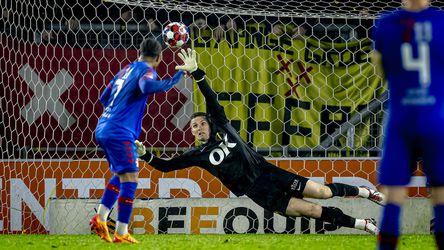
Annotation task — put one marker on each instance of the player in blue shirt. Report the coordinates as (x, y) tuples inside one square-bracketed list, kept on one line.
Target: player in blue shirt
[(124, 101), (408, 44)]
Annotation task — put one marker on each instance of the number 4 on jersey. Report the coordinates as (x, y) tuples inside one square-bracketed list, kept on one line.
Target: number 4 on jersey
[(423, 35)]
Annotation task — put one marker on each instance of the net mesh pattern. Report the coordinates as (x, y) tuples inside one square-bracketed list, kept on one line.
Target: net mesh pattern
[(294, 77)]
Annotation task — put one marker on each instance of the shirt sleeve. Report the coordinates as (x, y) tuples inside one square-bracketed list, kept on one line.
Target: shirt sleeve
[(149, 85), (215, 110)]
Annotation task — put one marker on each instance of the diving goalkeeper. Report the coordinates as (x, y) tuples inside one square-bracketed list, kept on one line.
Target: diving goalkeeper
[(246, 172)]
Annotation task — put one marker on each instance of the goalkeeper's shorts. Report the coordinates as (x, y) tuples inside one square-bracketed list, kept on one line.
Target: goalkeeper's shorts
[(274, 188), (121, 155)]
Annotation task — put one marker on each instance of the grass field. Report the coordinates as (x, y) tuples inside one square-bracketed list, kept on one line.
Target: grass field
[(231, 242)]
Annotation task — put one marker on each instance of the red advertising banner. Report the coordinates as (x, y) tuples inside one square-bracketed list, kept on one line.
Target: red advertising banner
[(27, 186), (50, 95)]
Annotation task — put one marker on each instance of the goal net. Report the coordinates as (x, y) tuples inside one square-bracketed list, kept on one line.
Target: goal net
[(294, 77)]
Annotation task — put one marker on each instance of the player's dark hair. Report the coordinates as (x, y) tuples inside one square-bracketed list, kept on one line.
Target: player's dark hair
[(150, 47), (197, 114)]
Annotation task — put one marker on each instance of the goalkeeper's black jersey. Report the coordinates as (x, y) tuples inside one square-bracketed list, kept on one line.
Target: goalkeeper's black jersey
[(231, 160)]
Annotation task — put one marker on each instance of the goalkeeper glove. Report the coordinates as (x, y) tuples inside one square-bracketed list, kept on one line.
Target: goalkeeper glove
[(140, 148), (189, 60), (142, 153)]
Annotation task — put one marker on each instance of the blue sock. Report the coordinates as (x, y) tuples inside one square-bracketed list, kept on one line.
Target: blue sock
[(439, 225), (111, 193), (125, 201), (389, 232)]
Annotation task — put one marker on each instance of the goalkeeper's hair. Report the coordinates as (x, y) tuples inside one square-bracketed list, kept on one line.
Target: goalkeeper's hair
[(198, 114), (150, 47)]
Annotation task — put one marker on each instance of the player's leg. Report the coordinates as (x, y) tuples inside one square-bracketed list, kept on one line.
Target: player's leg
[(127, 194), (394, 174), (109, 197), (280, 191), (98, 223), (300, 207), (122, 158), (319, 191), (128, 170), (437, 195), (390, 222), (433, 166)]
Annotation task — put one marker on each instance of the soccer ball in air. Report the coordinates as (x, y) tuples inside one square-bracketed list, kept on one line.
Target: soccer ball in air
[(175, 34)]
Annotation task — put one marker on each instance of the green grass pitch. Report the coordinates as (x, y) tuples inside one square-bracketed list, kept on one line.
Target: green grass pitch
[(231, 242)]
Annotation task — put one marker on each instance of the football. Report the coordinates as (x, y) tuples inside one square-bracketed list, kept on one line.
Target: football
[(175, 34)]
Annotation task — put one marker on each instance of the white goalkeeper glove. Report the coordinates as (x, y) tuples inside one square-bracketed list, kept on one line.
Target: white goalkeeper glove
[(189, 60), (140, 148)]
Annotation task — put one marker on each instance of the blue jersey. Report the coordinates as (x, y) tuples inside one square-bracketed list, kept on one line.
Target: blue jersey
[(124, 100), (413, 62)]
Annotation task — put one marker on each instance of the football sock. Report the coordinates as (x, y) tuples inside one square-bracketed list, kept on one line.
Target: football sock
[(360, 224), (389, 233), (363, 192), (121, 228), (125, 201), (439, 226), (340, 189), (109, 197), (336, 216)]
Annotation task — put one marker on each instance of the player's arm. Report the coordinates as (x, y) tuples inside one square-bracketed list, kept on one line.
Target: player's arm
[(378, 46), (376, 58), (213, 107), (149, 86), (104, 97), (173, 164)]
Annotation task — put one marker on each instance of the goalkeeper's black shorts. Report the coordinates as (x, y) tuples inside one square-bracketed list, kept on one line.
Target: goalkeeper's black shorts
[(274, 188)]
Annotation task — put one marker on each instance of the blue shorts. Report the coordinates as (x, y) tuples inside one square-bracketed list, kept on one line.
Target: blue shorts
[(402, 149), (121, 155)]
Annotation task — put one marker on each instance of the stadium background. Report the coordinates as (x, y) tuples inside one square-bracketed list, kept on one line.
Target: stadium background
[(297, 85)]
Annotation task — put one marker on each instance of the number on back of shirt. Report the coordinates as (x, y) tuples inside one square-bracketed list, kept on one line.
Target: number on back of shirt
[(423, 36), (118, 84)]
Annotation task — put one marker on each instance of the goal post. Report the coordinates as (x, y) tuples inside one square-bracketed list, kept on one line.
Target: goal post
[(294, 78)]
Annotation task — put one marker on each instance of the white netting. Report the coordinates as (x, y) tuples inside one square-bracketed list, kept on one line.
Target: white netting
[(294, 77), (314, 8)]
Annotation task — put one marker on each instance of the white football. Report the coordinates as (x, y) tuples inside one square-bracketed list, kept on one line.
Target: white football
[(176, 34)]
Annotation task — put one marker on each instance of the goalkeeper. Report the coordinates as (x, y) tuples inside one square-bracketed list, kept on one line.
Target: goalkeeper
[(246, 172)]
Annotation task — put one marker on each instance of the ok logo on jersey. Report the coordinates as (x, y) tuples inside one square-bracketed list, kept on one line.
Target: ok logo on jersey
[(222, 151)]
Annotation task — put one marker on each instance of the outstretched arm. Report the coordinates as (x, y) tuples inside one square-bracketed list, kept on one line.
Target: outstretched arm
[(149, 86), (173, 164), (213, 107)]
